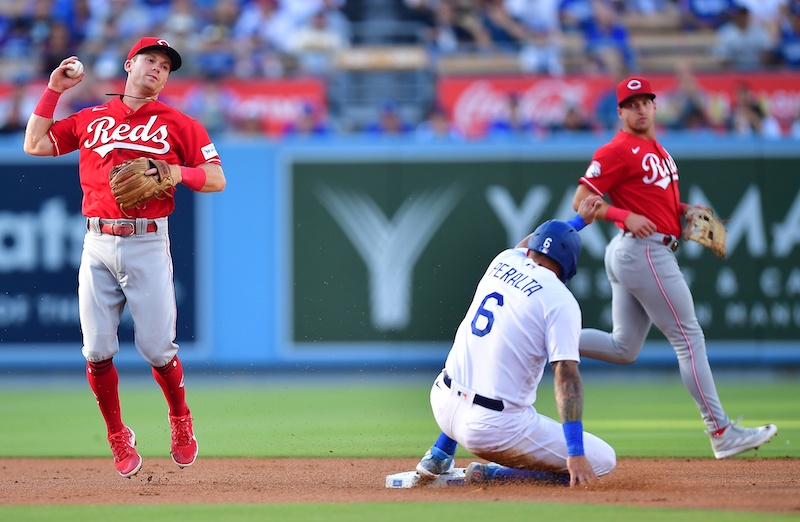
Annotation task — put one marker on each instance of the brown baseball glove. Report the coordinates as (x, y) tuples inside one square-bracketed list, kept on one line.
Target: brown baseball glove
[(705, 228), (136, 181)]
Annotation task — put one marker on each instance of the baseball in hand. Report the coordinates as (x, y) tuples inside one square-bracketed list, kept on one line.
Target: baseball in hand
[(75, 69)]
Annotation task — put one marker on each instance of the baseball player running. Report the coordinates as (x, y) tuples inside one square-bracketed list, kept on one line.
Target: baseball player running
[(641, 180), (126, 255), (521, 316)]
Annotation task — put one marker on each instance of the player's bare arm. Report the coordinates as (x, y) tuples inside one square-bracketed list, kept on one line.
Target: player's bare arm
[(640, 225), (214, 176), (36, 142), (582, 192), (568, 390), (569, 401)]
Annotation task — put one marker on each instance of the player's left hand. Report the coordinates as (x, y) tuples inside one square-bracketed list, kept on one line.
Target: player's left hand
[(135, 181), (589, 207), (705, 228), (580, 471)]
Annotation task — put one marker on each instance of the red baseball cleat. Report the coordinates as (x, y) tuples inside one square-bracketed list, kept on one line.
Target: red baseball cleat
[(184, 445), (126, 459)]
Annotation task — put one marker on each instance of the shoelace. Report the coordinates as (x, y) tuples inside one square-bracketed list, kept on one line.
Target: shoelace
[(182, 431), (120, 446)]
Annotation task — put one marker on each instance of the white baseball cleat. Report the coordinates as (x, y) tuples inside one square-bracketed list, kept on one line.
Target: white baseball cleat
[(734, 439)]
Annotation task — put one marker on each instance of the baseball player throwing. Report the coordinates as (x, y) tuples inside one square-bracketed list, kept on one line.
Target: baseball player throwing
[(521, 317), (641, 180), (126, 255)]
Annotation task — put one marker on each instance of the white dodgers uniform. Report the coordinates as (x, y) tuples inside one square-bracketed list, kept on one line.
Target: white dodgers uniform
[(521, 316)]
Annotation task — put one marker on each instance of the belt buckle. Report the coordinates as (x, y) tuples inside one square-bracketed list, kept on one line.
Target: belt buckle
[(123, 229), (466, 396), (671, 242)]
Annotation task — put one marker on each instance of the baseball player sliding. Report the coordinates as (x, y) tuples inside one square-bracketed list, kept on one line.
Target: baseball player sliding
[(641, 180), (521, 317), (126, 257)]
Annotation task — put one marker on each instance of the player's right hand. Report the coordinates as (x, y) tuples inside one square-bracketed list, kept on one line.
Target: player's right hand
[(589, 206), (59, 81), (639, 225), (580, 471)]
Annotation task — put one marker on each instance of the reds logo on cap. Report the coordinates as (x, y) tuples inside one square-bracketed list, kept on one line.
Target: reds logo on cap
[(633, 87), (150, 43)]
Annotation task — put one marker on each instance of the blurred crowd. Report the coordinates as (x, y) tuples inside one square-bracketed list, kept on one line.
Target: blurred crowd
[(247, 39), (278, 38), (225, 38), (749, 33)]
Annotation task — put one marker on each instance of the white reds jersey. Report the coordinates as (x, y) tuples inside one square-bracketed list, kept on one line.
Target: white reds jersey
[(521, 316)]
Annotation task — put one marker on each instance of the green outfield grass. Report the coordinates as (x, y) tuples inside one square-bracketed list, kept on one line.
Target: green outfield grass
[(644, 419), (378, 512), (647, 418)]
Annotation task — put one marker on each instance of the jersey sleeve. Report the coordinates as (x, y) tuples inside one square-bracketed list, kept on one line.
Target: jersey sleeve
[(563, 330), (198, 146), (604, 170), (64, 136)]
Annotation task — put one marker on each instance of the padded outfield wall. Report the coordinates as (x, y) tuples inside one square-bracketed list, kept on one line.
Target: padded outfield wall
[(364, 254)]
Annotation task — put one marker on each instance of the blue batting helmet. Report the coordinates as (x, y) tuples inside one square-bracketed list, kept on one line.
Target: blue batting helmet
[(560, 242)]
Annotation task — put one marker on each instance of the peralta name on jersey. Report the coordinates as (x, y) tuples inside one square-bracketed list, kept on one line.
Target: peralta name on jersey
[(514, 278)]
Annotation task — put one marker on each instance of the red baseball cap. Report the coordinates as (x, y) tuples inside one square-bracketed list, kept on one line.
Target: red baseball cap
[(149, 43), (633, 87)]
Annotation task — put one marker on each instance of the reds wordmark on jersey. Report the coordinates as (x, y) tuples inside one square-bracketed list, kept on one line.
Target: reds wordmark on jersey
[(109, 134)]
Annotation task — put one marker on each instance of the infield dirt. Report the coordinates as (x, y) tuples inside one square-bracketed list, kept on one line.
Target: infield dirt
[(739, 484)]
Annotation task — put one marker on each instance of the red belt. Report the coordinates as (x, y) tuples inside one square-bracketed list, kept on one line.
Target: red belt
[(124, 228)]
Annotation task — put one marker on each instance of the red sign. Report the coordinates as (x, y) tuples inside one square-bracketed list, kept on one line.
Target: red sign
[(274, 104), (262, 106), (473, 103)]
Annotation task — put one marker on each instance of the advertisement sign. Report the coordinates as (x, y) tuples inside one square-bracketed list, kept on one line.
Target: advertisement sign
[(41, 239), (257, 106), (472, 102), (392, 250)]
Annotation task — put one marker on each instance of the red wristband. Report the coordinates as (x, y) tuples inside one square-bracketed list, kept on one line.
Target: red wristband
[(617, 214), (193, 177), (46, 107)]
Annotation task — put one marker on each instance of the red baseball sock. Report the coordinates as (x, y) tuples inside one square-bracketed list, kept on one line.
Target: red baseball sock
[(170, 378), (104, 382)]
